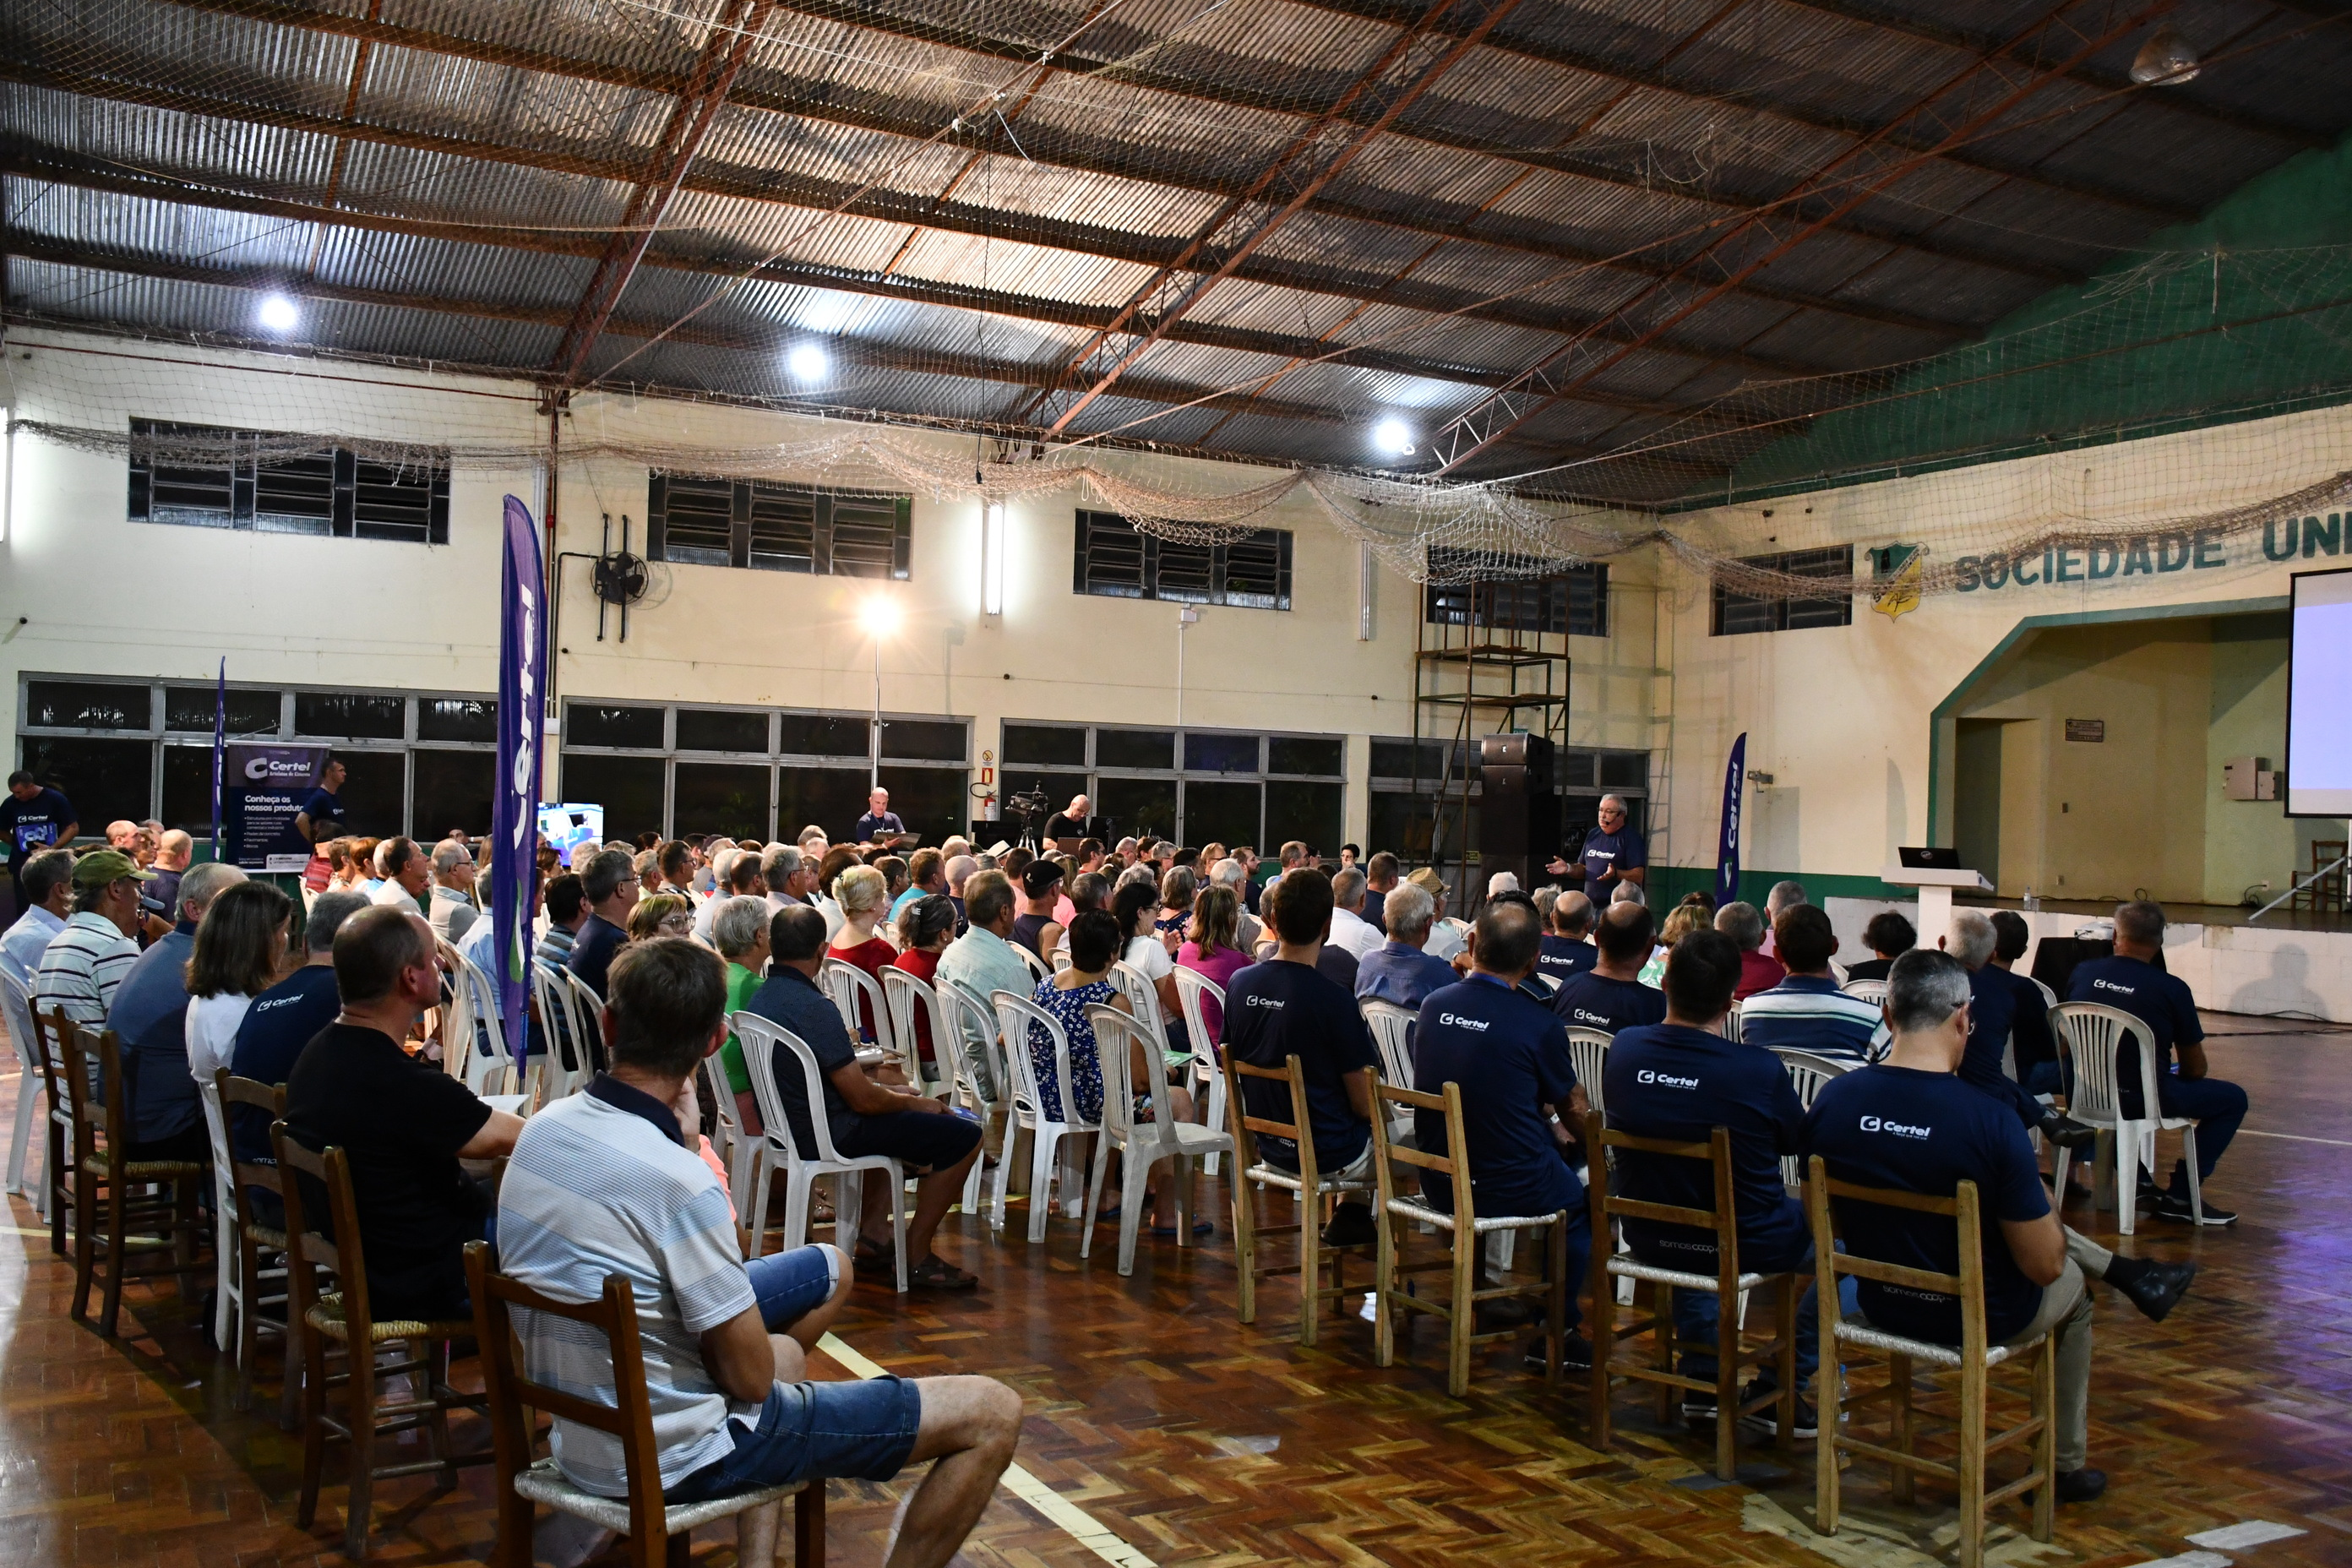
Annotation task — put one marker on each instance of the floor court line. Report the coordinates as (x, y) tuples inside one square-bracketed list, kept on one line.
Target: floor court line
[(1073, 1520)]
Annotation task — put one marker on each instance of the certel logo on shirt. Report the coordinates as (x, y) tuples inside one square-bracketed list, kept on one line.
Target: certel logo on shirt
[(1262, 1001), (2111, 985), (1477, 1023), (1899, 1129), (1665, 1080), (1598, 1020)]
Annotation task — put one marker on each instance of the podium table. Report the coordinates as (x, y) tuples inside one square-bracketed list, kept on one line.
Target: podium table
[(1936, 890)]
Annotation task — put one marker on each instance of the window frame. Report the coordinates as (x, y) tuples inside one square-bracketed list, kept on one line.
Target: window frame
[(348, 479), (1152, 557), (1556, 593), (1826, 560), (1095, 771), (743, 496)]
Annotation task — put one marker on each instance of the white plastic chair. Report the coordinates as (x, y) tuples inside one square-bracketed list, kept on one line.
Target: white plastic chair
[(2049, 997), (848, 985), (1038, 967), (561, 996), (1729, 1027), (1208, 1076), (957, 1018), (1144, 997), (16, 1013), (1142, 1145), (489, 1064), (2092, 1036), (760, 1037), (1588, 1054), (745, 1156), (1047, 1125), (1807, 1073), (1872, 991), (1391, 1025), (228, 1290), (912, 998)]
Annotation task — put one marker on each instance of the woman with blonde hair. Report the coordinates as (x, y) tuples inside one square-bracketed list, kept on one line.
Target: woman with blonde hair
[(1690, 915), (863, 895), (662, 914)]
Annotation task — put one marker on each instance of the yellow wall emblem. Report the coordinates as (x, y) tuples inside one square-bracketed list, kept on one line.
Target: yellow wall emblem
[(1898, 593)]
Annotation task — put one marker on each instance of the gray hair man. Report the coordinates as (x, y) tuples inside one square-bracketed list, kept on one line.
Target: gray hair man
[(1990, 1011), (453, 911), (1349, 930), (790, 876)]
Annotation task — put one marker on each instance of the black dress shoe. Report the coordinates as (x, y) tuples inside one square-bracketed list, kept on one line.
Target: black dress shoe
[(1351, 1226), (2154, 1288), (1575, 1355), (2068, 1133), (2081, 1486), (2176, 1206)]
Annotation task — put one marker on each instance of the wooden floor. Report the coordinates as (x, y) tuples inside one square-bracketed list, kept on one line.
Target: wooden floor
[(1197, 1441)]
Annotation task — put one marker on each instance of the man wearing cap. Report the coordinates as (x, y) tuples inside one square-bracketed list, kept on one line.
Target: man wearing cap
[(33, 817), (84, 964), (1444, 938)]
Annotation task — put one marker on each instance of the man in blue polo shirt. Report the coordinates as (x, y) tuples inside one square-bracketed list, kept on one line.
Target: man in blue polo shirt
[(320, 817), (1806, 1011), (610, 886), (1610, 996), (1510, 1054), (1614, 854), (1680, 1080), (33, 817), (2131, 981), (1284, 1007), (1564, 951), (1912, 1125), (1398, 970), (1992, 1009)]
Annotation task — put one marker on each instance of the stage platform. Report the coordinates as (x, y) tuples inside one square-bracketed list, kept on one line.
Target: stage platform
[(2288, 965)]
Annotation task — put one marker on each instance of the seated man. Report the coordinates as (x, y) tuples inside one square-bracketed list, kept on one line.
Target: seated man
[(1806, 1012), (1286, 1006), (1398, 971), (2131, 981), (1564, 951), (1680, 1080), (48, 881), (1990, 1010), (1759, 970), (1910, 1124), (150, 1018), (400, 1122), (84, 964), (980, 963), (1888, 936), (864, 1117), (610, 886), (1510, 1054), (605, 1181), (2031, 1047), (1350, 932), (1610, 996)]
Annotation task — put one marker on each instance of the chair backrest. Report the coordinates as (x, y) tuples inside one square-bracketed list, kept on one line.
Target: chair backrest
[(1021, 1071), (2049, 997), (1588, 1054), (1832, 1260), (1118, 1035), (92, 1068), (1391, 1025), (957, 1019), (1144, 997), (2094, 1036), (490, 1056), (1246, 1127), (567, 1051), (1807, 1073), (270, 1099), (1866, 990), (1729, 1027), (49, 1054), (848, 985), (1017, 1015), (613, 1314), (759, 1037), (1038, 967), (913, 998), (1723, 1220), (17, 1016), (308, 1247), (1397, 1103), (1192, 985)]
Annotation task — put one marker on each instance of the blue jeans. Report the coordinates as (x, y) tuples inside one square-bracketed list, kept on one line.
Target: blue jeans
[(2219, 1106), (807, 1431), (788, 1286)]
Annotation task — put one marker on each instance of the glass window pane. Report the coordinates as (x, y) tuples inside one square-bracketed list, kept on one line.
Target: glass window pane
[(187, 789), (1223, 811), (1394, 758), (376, 786), (189, 709), (1308, 812), (824, 735), (90, 705), (933, 802), (356, 714), (1290, 754), (1137, 806), (1400, 824), (709, 730), (1624, 770), (602, 724), (628, 788), (453, 789), (1045, 746), (924, 741), (1137, 749), (105, 780), (472, 719), (830, 798), (1220, 754), (1575, 769), (722, 797)]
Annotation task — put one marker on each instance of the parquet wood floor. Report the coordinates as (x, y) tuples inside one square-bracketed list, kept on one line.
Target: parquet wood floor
[(1204, 1443)]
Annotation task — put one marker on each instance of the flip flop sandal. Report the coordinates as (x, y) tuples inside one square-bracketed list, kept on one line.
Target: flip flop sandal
[(873, 1258), (1200, 1228), (936, 1273)]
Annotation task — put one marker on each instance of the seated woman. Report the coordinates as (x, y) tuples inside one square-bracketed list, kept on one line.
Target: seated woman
[(664, 914), (926, 926), (1211, 947), (1692, 914), (1136, 907), (864, 897), (1094, 941)]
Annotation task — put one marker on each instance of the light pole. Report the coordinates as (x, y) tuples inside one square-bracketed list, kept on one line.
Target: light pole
[(880, 617)]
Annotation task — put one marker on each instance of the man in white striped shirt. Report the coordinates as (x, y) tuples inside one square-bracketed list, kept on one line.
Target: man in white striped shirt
[(603, 1182), (84, 964), (1806, 1011)]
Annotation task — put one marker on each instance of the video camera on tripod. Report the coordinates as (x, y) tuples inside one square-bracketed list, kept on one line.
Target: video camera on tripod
[(1033, 808)]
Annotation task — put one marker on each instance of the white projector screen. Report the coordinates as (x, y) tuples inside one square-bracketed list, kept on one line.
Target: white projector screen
[(2319, 676)]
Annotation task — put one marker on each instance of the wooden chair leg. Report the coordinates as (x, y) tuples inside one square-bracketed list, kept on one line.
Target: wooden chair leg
[(1556, 1301), (1604, 1351), (1384, 1282), (1829, 1392), (314, 1424), (1786, 1411), (1971, 1464), (1904, 1423), (436, 1357), (298, 1367), (808, 1526), (677, 1551), (1245, 1249), (360, 1506), (1310, 1268), (249, 1335), (1463, 1321), (58, 1197), (1726, 1389), (84, 1243), (2045, 1442), (1662, 1348)]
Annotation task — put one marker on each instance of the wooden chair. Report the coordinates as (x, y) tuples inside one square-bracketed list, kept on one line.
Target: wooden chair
[(2091, 1038), (1466, 1232), (1310, 1187), (237, 1278), (659, 1533), (344, 1318), (1141, 1144), (759, 1037), (1727, 1284), (107, 1222), (1973, 1358), (2327, 894), (254, 1241)]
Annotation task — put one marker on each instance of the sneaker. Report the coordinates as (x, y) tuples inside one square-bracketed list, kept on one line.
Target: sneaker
[(1698, 1407), (2154, 1288), (1767, 1420), (1575, 1355), (2068, 1133), (2081, 1486), (1351, 1226), (2176, 1206)]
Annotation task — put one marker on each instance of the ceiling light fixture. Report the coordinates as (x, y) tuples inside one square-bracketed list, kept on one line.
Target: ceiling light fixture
[(278, 314), (1394, 438), (807, 362), (2165, 61)]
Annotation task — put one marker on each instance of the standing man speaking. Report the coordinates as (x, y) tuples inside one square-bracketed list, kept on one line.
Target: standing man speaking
[(1613, 854)]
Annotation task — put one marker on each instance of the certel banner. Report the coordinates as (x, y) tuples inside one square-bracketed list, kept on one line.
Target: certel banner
[(262, 793)]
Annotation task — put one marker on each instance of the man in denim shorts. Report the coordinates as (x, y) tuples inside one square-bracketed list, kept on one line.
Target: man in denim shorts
[(606, 1181)]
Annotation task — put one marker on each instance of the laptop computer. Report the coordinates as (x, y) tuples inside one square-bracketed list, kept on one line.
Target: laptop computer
[(1925, 858)]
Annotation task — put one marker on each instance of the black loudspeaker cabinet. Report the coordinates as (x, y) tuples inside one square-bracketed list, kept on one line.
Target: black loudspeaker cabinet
[(1532, 753), (1520, 825)]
